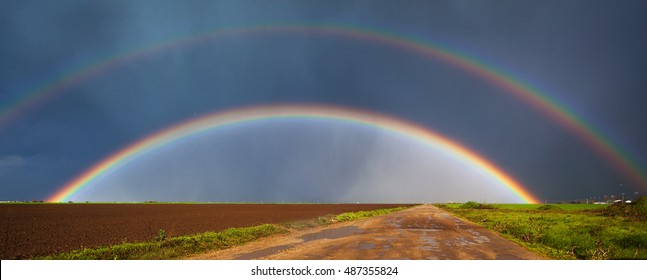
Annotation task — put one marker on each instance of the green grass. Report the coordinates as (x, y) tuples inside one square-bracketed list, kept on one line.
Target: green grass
[(174, 248), (569, 232), (567, 207), (352, 216), (164, 248)]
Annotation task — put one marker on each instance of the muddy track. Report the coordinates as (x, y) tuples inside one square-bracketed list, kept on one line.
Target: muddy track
[(423, 232)]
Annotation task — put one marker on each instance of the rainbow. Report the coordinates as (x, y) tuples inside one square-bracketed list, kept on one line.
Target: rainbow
[(217, 120), (563, 115)]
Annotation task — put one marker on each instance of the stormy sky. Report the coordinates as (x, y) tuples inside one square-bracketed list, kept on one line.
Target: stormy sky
[(588, 56)]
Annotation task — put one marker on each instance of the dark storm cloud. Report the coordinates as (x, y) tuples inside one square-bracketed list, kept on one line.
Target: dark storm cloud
[(589, 55)]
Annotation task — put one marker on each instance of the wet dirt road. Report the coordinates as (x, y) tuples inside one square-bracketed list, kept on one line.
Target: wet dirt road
[(423, 232)]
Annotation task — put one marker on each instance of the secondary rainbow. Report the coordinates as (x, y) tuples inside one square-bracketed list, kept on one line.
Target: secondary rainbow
[(217, 120), (616, 156)]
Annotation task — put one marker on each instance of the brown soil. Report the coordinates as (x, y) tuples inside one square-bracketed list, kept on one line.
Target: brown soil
[(32, 230)]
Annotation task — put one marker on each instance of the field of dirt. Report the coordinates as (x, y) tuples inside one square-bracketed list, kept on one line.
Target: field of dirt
[(30, 230)]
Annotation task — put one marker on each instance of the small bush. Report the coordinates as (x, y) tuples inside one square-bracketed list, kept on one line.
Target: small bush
[(475, 205), (635, 211), (547, 207), (161, 235), (470, 205)]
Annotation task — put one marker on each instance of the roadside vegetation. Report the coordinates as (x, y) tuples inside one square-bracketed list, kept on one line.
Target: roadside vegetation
[(566, 231), (172, 248), (161, 247), (352, 216)]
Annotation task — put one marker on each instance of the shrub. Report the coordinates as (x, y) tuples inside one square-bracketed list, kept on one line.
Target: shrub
[(635, 211), (161, 235), (475, 205), (546, 207), (470, 205)]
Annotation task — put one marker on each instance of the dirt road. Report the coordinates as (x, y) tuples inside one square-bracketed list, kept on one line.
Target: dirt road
[(423, 232)]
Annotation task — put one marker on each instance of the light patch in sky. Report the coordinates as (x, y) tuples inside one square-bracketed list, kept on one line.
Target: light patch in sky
[(297, 160), (11, 161)]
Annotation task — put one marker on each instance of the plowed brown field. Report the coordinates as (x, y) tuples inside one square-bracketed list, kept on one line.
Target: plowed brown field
[(31, 230)]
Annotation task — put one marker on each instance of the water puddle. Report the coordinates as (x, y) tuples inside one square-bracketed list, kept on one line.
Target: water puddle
[(429, 243), (462, 242), (445, 215), (394, 223), (366, 246), (264, 252), (332, 233), (424, 230), (478, 238)]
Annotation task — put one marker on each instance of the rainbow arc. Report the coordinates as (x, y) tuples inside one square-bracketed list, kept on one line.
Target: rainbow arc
[(176, 133)]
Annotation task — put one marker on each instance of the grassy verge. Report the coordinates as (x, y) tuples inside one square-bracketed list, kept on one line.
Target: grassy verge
[(163, 248), (352, 216), (563, 231), (173, 248)]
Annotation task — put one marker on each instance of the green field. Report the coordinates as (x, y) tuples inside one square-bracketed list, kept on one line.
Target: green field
[(566, 231), (568, 207)]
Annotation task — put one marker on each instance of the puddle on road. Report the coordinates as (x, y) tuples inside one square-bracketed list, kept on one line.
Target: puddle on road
[(478, 238), (263, 253), (424, 230), (461, 241), (429, 243), (331, 233), (366, 246), (394, 223)]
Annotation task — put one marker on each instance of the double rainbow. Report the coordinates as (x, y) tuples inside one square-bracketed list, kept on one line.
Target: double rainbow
[(541, 101)]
